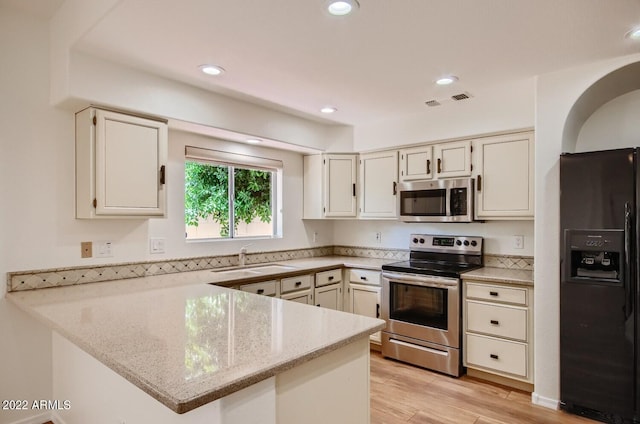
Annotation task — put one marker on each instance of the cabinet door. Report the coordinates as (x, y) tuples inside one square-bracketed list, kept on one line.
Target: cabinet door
[(365, 300), (340, 185), (416, 163), (130, 158), (378, 181), (301, 296), (504, 180), (453, 159), (329, 296)]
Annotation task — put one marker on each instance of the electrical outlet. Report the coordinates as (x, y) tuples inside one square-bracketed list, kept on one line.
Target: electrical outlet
[(315, 236), (518, 242), (378, 237), (86, 249)]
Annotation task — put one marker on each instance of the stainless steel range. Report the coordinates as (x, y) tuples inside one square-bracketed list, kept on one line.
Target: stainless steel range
[(421, 301)]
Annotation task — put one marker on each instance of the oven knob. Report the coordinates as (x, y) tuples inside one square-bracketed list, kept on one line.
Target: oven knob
[(466, 242), (421, 241), (415, 240), (458, 242), (474, 243)]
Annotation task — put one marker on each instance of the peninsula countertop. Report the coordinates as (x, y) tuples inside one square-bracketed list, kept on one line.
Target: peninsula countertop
[(187, 343)]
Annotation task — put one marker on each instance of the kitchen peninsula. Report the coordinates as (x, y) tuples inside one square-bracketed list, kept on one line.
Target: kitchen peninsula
[(172, 349)]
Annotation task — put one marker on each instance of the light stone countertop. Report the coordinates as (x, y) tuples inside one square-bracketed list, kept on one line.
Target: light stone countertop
[(187, 343), (501, 275)]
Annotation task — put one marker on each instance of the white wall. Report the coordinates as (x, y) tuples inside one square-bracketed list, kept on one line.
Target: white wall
[(29, 188), (556, 94), (494, 109), (614, 125), (498, 235)]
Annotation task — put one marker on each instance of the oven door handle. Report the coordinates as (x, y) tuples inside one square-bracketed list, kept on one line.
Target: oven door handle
[(421, 280)]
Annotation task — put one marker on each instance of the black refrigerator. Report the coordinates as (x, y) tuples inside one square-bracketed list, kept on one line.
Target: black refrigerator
[(599, 284)]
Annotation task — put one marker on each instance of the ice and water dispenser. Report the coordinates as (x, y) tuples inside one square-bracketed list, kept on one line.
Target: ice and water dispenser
[(593, 256)]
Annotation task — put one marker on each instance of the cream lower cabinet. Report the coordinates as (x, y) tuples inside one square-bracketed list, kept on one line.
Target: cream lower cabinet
[(378, 185), (363, 295), (498, 332), (120, 165), (504, 176), (265, 288), (297, 289), (328, 290)]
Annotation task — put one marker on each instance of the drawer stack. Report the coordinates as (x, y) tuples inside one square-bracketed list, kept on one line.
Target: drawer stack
[(498, 326)]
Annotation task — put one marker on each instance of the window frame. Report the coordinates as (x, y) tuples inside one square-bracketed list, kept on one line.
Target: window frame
[(233, 161)]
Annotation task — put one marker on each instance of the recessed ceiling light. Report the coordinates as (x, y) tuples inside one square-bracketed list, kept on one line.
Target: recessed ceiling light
[(328, 109), (342, 7), (634, 34), (212, 69), (446, 80), (253, 141)]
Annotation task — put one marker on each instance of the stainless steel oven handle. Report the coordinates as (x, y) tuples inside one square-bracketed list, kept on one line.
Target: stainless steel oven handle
[(421, 280)]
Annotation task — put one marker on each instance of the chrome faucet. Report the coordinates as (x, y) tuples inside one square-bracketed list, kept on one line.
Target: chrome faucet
[(242, 256)]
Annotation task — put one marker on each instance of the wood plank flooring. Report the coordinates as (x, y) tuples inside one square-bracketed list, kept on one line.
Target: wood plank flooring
[(404, 394)]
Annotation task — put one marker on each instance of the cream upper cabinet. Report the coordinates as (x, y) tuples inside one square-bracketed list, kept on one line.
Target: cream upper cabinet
[(120, 165), (504, 176), (378, 181), (453, 159), (330, 186), (416, 163)]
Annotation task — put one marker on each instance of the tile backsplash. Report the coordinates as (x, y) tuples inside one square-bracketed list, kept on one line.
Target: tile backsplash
[(37, 279)]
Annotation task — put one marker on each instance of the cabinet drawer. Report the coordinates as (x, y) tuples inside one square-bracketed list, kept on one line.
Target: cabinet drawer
[(295, 283), (497, 320), (497, 293), (500, 355), (266, 288), (328, 277), (363, 276)]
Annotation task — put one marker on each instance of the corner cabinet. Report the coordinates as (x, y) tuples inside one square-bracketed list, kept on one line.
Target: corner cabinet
[(378, 184), (330, 186), (504, 176), (120, 165)]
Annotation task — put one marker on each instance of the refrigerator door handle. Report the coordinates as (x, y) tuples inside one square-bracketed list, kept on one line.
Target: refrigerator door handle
[(628, 305)]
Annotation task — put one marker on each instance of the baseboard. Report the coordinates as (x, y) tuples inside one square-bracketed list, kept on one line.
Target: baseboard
[(544, 401), (42, 418), (37, 419)]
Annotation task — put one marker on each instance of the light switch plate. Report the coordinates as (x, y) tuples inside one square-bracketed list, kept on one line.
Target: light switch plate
[(104, 249), (156, 245)]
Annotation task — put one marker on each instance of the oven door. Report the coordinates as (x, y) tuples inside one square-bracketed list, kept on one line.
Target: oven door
[(422, 307)]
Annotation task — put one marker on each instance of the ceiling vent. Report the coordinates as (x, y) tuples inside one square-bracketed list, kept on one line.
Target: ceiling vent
[(461, 96), (455, 98)]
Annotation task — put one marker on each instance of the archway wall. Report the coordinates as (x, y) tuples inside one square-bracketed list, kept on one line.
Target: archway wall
[(564, 102)]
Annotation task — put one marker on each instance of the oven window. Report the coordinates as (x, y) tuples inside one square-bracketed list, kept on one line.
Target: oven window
[(423, 202), (418, 305)]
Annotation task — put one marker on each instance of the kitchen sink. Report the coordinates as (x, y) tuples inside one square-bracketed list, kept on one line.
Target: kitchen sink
[(253, 271)]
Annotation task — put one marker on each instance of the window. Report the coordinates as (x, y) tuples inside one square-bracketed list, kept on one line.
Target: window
[(223, 188)]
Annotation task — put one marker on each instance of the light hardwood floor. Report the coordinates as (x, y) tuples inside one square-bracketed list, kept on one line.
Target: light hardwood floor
[(404, 394)]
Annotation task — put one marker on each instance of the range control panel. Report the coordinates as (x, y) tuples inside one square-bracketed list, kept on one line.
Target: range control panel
[(446, 244)]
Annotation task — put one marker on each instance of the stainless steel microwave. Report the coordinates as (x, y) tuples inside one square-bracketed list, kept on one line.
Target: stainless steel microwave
[(447, 200)]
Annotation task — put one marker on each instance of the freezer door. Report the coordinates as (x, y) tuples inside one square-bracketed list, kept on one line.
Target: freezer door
[(597, 316)]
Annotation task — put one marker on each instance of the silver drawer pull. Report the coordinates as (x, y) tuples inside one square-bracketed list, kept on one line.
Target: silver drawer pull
[(494, 322)]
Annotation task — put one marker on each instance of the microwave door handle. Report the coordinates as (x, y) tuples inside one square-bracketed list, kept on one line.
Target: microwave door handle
[(447, 201)]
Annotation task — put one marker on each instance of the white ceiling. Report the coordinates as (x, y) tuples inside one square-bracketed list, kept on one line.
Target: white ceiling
[(376, 64)]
